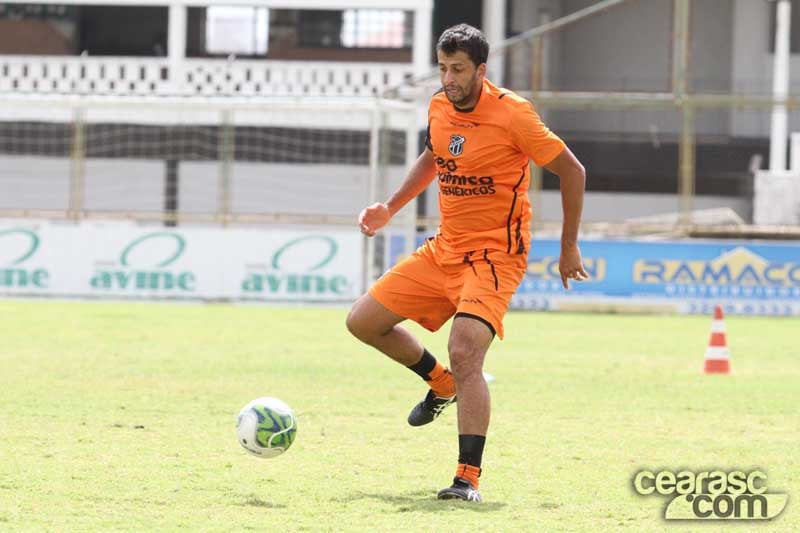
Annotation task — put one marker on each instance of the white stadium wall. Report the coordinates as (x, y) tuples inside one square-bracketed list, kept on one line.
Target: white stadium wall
[(138, 185), (280, 188), (618, 206), (37, 182)]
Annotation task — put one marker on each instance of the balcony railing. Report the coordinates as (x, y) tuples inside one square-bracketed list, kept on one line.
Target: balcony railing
[(130, 76)]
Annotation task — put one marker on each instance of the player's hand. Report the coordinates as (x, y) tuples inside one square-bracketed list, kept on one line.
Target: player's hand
[(373, 218), (570, 265)]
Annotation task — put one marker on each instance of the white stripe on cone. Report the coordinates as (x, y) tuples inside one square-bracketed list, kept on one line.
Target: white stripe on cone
[(718, 352), (718, 326)]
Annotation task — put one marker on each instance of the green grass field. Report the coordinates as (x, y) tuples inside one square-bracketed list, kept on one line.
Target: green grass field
[(120, 416)]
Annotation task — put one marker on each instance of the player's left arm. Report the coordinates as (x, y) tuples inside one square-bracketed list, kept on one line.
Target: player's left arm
[(535, 140), (573, 181)]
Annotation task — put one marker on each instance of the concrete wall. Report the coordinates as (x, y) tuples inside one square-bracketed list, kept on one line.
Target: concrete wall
[(752, 66), (623, 49), (34, 182), (617, 207), (127, 184), (138, 185), (124, 184), (711, 59), (524, 15), (273, 188), (629, 48)]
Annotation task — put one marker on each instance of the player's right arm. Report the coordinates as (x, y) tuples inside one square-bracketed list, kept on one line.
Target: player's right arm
[(421, 174)]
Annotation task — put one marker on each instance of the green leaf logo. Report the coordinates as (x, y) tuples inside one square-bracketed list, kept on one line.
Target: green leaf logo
[(170, 257), (29, 249), (326, 250)]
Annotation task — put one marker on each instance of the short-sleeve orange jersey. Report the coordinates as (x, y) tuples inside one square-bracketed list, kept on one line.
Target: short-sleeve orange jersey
[(482, 168)]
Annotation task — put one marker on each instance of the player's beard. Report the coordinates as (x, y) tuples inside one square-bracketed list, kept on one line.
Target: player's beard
[(464, 94)]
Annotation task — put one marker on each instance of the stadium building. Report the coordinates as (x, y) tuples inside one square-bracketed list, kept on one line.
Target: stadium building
[(292, 116), (273, 52)]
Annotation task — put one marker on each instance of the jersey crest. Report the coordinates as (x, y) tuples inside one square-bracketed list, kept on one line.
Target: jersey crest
[(456, 144)]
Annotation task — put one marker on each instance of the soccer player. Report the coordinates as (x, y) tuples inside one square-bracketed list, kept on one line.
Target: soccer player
[(480, 139)]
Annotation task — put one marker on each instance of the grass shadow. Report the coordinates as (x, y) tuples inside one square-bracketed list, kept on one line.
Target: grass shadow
[(258, 502), (421, 500)]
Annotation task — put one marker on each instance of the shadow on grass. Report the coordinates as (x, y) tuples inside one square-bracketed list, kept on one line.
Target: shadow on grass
[(421, 500), (258, 502)]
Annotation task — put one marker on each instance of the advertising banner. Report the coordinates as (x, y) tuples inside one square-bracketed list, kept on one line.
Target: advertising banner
[(123, 261), (746, 277)]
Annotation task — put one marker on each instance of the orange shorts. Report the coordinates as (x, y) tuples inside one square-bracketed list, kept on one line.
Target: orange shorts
[(431, 285)]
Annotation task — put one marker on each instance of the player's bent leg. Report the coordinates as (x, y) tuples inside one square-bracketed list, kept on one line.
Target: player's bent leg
[(374, 324), (414, 290)]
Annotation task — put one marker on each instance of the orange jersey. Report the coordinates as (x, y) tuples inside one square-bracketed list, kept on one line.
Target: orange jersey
[(482, 169)]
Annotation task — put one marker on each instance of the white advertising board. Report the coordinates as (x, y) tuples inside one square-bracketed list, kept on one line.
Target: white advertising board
[(197, 263)]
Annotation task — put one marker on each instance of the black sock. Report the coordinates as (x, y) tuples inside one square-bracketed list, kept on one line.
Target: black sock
[(425, 365), (470, 449)]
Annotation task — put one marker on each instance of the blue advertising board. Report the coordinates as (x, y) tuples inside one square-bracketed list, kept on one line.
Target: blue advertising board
[(746, 277)]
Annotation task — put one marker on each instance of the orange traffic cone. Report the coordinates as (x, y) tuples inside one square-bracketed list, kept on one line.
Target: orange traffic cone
[(718, 358)]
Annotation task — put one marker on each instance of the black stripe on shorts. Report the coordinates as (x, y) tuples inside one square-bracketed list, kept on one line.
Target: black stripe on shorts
[(479, 319)]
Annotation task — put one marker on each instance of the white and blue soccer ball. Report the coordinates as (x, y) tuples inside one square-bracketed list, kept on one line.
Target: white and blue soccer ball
[(266, 427)]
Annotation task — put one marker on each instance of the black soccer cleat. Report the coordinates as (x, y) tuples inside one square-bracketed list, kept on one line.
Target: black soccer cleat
[(428, 409), (460, 490)]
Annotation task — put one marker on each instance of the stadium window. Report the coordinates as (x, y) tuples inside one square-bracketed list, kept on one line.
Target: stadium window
[(220, 31), (376, 28), (319, 28), (354, 28), (38, 29), (123, 30), (794, 32), (382, 35), (50, 29), (237, 30)]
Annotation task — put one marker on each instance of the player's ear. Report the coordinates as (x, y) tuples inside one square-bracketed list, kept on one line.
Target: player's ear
[(481, 70)]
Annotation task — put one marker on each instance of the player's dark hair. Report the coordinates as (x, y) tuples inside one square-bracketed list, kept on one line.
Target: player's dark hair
[(466, 38)]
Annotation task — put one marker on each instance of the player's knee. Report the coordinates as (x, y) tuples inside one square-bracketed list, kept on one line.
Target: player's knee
[(356, 325), (465, 361), (361, 325)]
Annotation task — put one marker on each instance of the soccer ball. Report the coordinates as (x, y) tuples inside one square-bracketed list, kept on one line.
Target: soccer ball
[(266, 427)]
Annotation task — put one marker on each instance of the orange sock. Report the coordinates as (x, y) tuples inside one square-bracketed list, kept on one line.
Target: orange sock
[(470, 473), (441, 381)]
